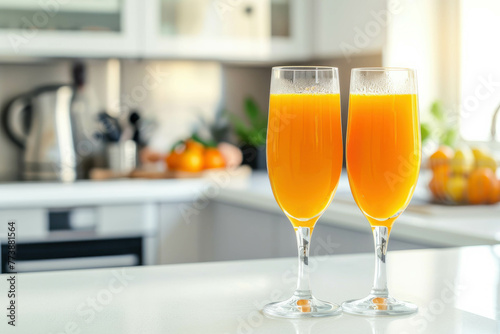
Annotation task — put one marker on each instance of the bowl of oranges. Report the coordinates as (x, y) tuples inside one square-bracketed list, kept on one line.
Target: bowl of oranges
[(194, 157), (464, 176)]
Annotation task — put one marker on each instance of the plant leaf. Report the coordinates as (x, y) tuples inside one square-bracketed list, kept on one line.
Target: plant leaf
[(437, 111), (242, 131), (425, 131), (255, 133), (257, 118), (251, 110), (449, 137), (257, 138), (177, 143)]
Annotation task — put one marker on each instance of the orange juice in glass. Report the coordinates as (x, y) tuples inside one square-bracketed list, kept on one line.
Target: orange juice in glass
[(383, 162), (304, 162), (383, 154), (304, 153)]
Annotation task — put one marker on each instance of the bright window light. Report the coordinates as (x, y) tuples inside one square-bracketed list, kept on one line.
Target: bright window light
[(480, 67)]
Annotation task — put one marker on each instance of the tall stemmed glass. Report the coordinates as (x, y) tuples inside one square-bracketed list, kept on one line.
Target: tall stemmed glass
[(383, 162), (304, 161)]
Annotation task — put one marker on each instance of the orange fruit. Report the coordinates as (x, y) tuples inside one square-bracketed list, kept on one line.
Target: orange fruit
[(213, 159), (495, 194), (456, 187), (498, 198), (439, 181), (441, 157), (193, 145), (481, 185), (173, 159), (191, 161)]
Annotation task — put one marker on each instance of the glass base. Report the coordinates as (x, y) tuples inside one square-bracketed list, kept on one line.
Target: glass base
[(297, 307), (375, 306)]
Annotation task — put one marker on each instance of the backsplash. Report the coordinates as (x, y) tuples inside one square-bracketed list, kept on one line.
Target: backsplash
[(174, 94)]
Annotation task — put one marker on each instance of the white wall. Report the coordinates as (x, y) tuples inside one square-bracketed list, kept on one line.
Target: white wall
[(175, 93)]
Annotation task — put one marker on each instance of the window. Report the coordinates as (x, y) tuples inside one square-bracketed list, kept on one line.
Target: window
[(480, 68), (455, 47)]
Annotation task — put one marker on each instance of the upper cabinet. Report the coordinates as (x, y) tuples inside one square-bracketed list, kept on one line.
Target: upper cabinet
[(227, 29), (223, 30), (346, 28), (76, 28)]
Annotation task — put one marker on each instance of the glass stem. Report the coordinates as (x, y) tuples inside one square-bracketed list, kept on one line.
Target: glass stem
[(381, 238), (303, 240)]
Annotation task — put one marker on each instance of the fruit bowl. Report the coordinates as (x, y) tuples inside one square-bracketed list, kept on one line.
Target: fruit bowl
[(464, 176)]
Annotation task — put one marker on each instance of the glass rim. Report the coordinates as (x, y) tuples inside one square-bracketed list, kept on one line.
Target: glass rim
[(304, 68), (382, 69)]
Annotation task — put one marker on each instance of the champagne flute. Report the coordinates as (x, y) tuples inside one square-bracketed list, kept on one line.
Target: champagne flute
[(304, 162), (383, 161)]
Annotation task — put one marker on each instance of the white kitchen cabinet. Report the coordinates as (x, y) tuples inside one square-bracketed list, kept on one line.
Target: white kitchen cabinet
[(220, 232), (232, 232), (222, 30), (347, 28), (244, 233), (77, 28), (181, 236), (227, 30)]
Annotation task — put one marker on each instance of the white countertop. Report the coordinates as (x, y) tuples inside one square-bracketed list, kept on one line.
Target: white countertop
[(421, 223), (457, 291), (51, 194)]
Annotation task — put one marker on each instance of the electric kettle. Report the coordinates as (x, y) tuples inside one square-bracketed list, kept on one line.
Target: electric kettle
[(40, 123)]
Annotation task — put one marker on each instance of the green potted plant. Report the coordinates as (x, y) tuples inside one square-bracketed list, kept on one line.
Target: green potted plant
[(439, 128), (252, 134)]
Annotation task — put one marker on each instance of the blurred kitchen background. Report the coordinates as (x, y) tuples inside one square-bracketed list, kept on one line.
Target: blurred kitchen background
[(104, 89)]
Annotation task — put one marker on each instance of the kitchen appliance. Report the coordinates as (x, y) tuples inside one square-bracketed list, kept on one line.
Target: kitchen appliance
[(90, 235), (40, 123)]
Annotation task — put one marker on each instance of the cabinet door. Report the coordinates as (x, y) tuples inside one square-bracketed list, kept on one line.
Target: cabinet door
[(241, 233), (77, 28), (346, 28), (181, 234), (227, 30), (291, 33)]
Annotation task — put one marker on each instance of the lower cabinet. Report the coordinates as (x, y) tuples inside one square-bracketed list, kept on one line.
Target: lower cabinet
[(222, 232), (181, 234)]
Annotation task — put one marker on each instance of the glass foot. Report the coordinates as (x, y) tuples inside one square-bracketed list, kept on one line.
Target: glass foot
[(297, 307), (374, 306)]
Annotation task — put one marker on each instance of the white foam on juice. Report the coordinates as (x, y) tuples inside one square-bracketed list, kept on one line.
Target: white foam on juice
[(321, 81), (379, 82)]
